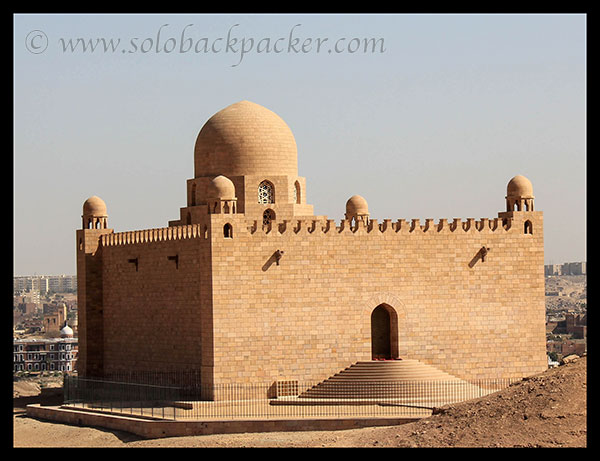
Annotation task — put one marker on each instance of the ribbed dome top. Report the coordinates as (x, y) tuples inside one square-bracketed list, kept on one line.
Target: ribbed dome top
[(245, 139), (356, 205), (221, 187), (519, 186), (94, 206)]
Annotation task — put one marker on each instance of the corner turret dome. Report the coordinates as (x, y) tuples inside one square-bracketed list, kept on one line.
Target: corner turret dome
[(245, 139), (94, 206), (519, 186), (519, 194), (356, 206), (221, 188), (94, 214)]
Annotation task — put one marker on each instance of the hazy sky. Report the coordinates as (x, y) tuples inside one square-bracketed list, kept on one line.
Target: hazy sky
[(431, 123)]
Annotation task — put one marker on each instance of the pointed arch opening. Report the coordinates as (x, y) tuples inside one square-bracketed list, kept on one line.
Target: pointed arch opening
[(384, 333), (266, 192), (193, 195), (297, 193), (268, 216)]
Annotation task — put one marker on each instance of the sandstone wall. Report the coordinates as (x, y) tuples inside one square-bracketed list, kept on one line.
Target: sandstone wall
[(309, 317)]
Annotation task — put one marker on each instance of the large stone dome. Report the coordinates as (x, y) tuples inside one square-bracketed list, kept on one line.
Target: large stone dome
[(245, 139)]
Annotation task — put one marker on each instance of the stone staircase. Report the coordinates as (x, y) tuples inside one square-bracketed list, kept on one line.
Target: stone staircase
[(405, 380)]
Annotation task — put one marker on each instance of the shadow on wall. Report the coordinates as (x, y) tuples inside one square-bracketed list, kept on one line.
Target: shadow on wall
[(275, 258), (481, 254)]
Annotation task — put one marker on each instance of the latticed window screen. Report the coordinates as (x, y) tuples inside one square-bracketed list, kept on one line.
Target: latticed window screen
[(266, 192), (268, 216)]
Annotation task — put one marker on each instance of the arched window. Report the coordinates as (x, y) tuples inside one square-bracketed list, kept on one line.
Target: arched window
[(228, 231), (297, 194), (528, 227), (266, 192), (193, 197), (268, 216)]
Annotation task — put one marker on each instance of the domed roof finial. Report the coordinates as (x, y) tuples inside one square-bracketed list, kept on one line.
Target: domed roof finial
[(94, 213), (519, 194), (357, 209), (221, 187), (519, 186), (94, 206)]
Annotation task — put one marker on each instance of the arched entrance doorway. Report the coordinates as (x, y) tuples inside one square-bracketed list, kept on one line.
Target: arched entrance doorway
[(384, 333)]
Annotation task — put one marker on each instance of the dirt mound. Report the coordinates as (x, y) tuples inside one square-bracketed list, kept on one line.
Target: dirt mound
[(25, 389), (42, 390), (546, 410), (32, 386)]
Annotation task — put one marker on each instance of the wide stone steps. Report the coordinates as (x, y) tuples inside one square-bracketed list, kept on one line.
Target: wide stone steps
[(404, 379)]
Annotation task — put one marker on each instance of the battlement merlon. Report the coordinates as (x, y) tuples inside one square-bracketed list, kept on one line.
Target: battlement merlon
[(506, 222)]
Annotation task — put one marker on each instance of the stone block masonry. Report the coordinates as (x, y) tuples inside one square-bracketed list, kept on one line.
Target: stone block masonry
[(249, 286)]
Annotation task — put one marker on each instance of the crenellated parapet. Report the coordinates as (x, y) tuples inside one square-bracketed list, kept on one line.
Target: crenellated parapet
[(190, 231), (388, 226), (356, 222), (314, 227)]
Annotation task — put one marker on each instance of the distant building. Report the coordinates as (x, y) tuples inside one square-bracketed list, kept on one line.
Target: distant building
[(576, 268), (576, 325), (55, 318), (552, 269), (567, 347), (29, 308), (45, 283), (31, 296), (573, 324), (55, 354)]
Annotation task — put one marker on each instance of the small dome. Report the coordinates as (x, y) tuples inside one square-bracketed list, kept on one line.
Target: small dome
[(356, 205), (66, 332), (94, 206), (245, 139), (221, 187), (519, 186)]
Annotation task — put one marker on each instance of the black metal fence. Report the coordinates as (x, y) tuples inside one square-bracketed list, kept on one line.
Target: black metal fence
[(256, 401)]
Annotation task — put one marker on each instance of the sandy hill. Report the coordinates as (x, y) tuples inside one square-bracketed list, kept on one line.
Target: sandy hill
[(546, 410)]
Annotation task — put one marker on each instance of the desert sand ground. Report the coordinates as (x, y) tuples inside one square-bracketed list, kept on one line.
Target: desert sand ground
[(546, 410)]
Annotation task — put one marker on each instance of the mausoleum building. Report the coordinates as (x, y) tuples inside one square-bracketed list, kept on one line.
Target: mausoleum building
[(249, 285)]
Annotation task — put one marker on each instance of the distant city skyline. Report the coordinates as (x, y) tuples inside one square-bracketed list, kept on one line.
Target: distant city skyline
[(431, 121)]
